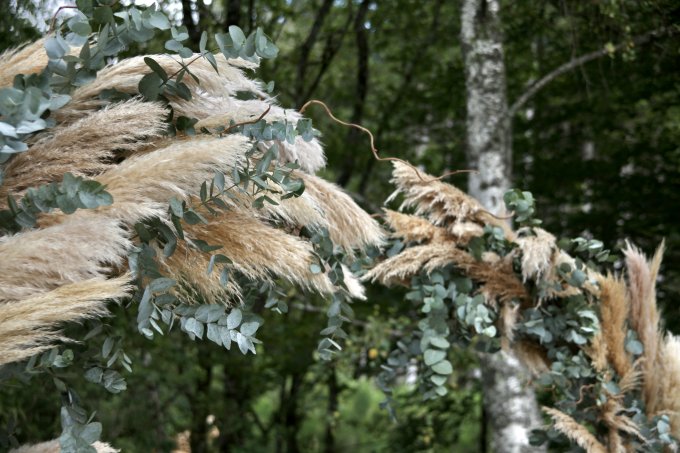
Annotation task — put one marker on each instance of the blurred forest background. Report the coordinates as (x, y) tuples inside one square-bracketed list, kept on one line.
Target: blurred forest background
[(599, 146)]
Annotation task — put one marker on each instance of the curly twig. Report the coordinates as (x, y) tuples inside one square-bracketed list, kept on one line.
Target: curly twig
[(243, 123), (374, 150), (54, 17)]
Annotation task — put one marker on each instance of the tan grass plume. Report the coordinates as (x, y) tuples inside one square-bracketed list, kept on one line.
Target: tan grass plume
[(575, 431), (28, 327)]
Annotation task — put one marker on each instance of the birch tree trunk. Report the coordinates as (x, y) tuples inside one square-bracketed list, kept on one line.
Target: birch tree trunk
[(509, 402)]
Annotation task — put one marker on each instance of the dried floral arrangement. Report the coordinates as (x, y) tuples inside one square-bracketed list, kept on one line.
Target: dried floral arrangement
[(593, 339), (108, 204)]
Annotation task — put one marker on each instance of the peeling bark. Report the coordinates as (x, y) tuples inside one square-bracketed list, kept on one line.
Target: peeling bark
[(509, 401)]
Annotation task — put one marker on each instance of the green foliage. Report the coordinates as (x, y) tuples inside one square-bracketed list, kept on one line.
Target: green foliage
[(631, 122), (22, 108), (73, 193)]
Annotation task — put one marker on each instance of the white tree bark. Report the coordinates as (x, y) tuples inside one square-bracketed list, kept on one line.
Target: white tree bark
[(509, 401)]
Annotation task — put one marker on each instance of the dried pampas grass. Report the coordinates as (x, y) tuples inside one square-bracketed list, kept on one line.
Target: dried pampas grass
[(645, 318), (213, 101), (400, 268), (531, 274), (348, 225), (668, 382), (614, 311), (29, 326), (86, 147), (264, 252), (575, 431), (415, 229), (54, 447), (442, 204), (38, 261), (537, 247), (123, 147), (29, 59)]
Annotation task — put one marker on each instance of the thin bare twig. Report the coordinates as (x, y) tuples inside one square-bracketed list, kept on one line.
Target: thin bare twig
[(54, 17), (243, 123), (374, 150), (583, 59)]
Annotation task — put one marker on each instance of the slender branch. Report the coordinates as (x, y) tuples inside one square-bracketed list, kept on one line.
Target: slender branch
[(583, 59), (60, 9), (269, 107), (306, 49), (54, 17), (331, 48), (374, 150)]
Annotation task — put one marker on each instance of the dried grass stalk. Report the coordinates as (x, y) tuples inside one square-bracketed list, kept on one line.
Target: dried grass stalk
[(614, 312), (597, 351), (29, 59), (537, 251), (668, 382), (86, 147), (261, 254), (415, 229), (616, 421), (644, 319), (37, 261), (53, 447), (349, 226), (575, 431), (443, 204), (29, 326)]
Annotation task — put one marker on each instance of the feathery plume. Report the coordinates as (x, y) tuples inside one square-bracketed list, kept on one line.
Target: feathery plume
[(644, 317), (264, 252), (415, 229), (213, 102), (28, 326), (443, 204), (142, 185), (37, 261), (86, 147), (575, 431), (29, 59), (598, 352), (614, 313), (54, 447), (349, 226), (537, 251), (399, 268), (668, 382), (616, 421)]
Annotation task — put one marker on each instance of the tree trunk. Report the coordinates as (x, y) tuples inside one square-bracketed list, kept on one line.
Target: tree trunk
[(188, 21), (306, 51), (333, 403), (510, 403), (233, 16), (361, 90), (200, 407)]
